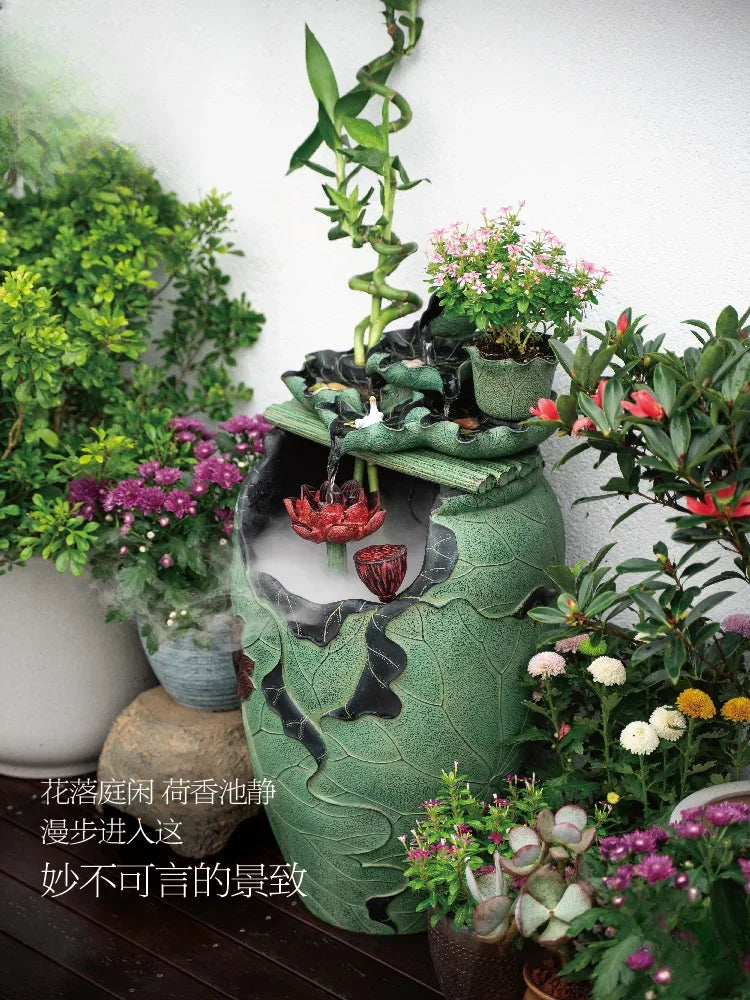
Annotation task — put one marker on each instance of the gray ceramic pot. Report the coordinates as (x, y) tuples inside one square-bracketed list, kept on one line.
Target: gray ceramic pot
[(196, 677), (506, 389)]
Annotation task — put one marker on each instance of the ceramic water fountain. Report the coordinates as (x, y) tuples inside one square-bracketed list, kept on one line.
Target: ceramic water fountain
[(353, 707)]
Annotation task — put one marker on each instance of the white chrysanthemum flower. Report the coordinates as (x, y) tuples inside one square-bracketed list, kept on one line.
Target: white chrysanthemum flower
[(668, 723), (607, 670), (546, 664), (639, 737)]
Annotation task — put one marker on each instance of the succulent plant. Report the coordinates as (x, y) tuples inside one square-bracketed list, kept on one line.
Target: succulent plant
[(492, 916), (547, 901), (561, 836), (547, 904)]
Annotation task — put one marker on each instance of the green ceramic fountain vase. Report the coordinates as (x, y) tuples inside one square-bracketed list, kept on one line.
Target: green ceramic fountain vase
[(506, 389), (353, 709)]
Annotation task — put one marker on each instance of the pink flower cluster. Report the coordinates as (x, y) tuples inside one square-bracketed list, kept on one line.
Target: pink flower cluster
[(637, 842)]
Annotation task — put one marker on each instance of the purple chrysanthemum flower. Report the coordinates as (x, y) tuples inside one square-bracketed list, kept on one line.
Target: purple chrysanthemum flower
[(723, 813), (737, 623), (621, 878), (645, 841), (84, 490), (198, 488), (168, 476), (188, 424), (125, 495), (239, 425), (242, 447), (165, 560), (694, 814), (180, 503), (148, 469), (203, 449), (613, 848), (691, 829), (638, 960), (496, 838), (655, 868), (215, 470), (184, 437), (151, 499)]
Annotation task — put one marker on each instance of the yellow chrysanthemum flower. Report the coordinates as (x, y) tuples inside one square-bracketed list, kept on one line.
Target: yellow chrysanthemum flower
[(697, 704), (613, 798), (736, 710)]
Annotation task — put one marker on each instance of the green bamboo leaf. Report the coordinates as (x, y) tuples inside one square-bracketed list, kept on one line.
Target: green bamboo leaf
[(320, 74), (364, 133), (305, 150)]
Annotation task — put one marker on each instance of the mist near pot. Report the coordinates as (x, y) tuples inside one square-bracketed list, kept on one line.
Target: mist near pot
[(302, 568)]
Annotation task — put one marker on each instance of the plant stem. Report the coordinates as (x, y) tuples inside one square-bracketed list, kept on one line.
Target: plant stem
[(644, 797), (336, 557), (373, 484), (359, 471), (686, 758)]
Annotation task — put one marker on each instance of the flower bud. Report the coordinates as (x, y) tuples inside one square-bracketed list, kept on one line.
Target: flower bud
[(663, 975), (693, 895), (150, 534), (610, 932), (681, 880)]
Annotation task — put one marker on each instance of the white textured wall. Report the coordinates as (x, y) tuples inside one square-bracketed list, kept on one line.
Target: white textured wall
[(623, 124)]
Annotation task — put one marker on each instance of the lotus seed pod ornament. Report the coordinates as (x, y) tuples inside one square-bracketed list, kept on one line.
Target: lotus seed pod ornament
[(382, 569)]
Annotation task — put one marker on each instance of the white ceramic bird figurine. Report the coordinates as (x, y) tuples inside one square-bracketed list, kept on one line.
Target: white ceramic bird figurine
[(371, 418)]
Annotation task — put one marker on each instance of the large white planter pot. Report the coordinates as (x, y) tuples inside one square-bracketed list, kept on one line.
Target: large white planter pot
[(65, 674)]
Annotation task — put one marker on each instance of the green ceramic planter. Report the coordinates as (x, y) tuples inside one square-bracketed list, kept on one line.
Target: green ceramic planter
[(352, 709), (506, 389)]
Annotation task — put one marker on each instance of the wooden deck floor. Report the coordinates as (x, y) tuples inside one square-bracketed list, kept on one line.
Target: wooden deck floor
[(77, 947)]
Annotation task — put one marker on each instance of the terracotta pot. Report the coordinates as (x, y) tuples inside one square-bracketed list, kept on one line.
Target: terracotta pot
[(506, 389), (534, 992), (468, 968), (739, 790)]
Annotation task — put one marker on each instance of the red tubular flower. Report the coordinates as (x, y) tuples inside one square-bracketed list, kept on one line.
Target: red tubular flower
[(707, 506), (546, 409), (335, 514), (599, 394), (623, 322), (582, 424), (644, 406)]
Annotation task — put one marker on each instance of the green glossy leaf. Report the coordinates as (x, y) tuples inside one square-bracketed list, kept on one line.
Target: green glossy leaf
[(364, 133), (728, 322), (320, 74), (305, 150)]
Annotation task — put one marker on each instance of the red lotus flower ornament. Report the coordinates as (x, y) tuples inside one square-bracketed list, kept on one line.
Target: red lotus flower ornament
[(335, 514), (382, 569)]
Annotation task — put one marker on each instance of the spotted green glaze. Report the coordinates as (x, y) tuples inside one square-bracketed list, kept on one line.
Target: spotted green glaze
[(349, 784), (505, 389)]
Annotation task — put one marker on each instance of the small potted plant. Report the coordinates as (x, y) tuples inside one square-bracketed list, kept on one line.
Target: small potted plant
[(673, 911), (537, 893), (519, 292), (164, 543), (459, 833)]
